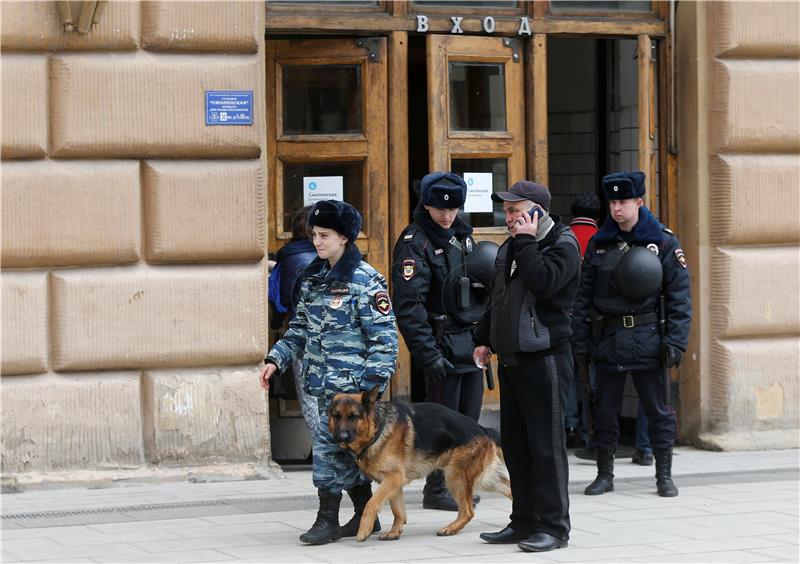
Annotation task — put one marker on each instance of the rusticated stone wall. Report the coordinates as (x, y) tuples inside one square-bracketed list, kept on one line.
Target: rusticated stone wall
[(133, 239), (739, 176)]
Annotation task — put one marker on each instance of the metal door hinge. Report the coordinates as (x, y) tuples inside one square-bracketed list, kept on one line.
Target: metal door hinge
[(373, 47), (512, 44)]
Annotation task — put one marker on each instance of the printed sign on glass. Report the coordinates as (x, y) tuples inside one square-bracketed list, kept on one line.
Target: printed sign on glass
[(316, 188), (479, 192)]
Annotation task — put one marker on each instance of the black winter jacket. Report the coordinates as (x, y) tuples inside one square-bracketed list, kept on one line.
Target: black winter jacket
[(547, 273), (641, 347)]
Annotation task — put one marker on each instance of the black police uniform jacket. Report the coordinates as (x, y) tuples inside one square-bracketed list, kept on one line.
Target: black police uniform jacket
[(425, 282), (641, 347), (534, 287)]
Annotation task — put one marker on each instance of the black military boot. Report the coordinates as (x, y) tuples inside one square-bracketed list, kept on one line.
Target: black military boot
[(326, 528), (436, 495), (664, 484), (605, 474), (360, 496)]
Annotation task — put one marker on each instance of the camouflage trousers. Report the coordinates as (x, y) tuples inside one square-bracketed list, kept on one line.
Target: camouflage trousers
[(334, 469)]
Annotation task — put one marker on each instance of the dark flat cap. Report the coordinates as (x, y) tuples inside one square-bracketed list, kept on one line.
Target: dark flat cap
[(525, 190)]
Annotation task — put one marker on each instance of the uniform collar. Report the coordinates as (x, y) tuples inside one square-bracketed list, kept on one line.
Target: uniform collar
[(342, 271), (439, 236), (647, 229)]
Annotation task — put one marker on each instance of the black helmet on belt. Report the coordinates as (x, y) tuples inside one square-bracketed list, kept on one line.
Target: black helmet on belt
[(480, 262), (638, 275)]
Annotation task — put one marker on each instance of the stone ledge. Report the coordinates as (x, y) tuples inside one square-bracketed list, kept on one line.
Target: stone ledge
[(749, 440), (28, 481)]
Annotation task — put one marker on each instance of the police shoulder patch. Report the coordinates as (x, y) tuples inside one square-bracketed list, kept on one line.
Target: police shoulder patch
[(409, 269), (382, 302), (681, 257)]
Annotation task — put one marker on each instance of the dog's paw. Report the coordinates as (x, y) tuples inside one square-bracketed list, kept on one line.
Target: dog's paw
[(445, 532), (389, 536), (361, 538)]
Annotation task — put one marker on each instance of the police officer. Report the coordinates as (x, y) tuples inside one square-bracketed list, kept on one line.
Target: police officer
[(635, 278), (438, 305), (345, 329)]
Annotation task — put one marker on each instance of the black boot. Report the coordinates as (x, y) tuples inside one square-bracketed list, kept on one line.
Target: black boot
[(326, 528), (605, 474), (436, 495), (360, 496), (664, 484)]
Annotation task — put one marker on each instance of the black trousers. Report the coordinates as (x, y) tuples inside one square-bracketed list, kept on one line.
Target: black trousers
[(649, 385), (460, 392), (533, 396)]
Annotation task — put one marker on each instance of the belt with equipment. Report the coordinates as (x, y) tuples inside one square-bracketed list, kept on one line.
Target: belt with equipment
[(629, 321), (443, 323)]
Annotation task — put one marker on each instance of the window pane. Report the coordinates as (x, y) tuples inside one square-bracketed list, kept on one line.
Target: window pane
[(475, 4), (499, 170), (599, 6), (321, 99), (293, 174), (477, 97)]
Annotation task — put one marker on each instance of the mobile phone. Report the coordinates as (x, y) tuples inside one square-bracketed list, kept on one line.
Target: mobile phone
[(535, 211)]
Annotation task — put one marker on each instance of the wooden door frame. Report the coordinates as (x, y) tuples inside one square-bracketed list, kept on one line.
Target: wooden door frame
[(443, 144), (370, 146)]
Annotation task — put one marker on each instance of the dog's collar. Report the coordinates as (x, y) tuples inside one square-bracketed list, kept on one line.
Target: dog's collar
[(377, 436)]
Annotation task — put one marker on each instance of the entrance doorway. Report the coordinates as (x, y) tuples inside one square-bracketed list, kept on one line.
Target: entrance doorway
[(470, 104)]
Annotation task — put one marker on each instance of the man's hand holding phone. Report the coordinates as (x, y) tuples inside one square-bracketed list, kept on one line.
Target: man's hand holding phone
[(527, 223)]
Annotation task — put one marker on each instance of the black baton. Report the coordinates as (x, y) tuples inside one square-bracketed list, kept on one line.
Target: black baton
[(489, 375)]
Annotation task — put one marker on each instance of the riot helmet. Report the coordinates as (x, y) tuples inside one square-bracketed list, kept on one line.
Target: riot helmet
[(480, 262), (638, 275)]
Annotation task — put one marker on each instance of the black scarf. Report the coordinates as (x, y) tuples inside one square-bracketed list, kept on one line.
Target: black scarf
[(439, 236), (343, 269)]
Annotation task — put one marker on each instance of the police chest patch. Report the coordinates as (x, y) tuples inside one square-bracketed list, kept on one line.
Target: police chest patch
[(382, 302), (468, 244), (681, 257), (409, 269), (340, 291), (336, 302), (653, 248)]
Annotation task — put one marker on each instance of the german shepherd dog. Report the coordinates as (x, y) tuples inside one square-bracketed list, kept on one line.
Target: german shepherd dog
[(396, 442)]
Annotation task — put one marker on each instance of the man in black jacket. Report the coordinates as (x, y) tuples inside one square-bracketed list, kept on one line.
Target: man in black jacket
[(644, 323), (438, 306), (528, 327)]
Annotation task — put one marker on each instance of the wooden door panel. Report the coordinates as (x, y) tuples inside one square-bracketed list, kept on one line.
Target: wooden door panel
[(366, 58), (447, 144)]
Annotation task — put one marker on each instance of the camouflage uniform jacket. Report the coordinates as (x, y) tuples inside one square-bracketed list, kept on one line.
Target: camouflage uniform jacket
[(344, 327)]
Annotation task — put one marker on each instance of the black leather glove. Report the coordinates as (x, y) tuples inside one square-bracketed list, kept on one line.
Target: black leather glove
[(436, 371), (672, 356)]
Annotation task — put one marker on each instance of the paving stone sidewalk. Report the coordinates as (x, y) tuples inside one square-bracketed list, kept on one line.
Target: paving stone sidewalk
[(732, 507)]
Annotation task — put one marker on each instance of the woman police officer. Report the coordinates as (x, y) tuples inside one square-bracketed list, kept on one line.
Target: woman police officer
[(345, 328)]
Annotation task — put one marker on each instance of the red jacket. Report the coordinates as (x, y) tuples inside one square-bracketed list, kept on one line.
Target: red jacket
[(584, 229)]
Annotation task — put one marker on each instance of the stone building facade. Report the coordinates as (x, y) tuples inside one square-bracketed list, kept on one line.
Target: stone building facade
[(134, 236)]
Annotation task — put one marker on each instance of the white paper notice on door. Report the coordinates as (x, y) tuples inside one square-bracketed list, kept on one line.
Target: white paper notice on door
[(479, 192), (316, 188)]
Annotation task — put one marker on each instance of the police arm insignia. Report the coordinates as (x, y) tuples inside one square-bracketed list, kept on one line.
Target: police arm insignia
[(409, 269), (681, 257), (382, 302)]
